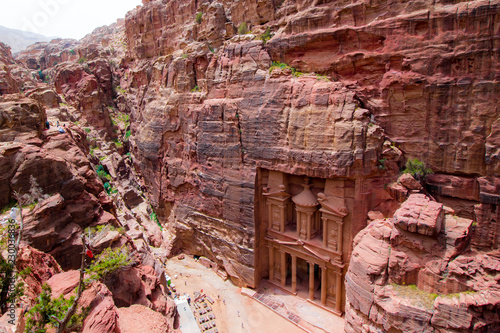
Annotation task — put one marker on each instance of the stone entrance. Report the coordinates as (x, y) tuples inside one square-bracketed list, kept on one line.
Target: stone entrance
[(305, 226)]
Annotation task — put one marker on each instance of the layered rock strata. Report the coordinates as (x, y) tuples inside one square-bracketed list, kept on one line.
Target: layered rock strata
[(217, 94), (401, 279)]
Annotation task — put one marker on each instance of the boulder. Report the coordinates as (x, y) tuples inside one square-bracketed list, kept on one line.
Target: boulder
[(64, 283), (420, 215), (409, 182)]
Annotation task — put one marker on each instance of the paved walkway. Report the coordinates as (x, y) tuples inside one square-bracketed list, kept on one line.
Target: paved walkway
[(235, 313), (302, 313), (187, 320)]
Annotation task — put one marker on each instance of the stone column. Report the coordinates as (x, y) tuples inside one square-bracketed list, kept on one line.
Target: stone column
[(339, 237), (311, 281), (299, 221), (269, 216), (325, 232), (271, 263), (282, 221), (294, 274), (283, 268), (323, 285), (338, 296), (309, 225)]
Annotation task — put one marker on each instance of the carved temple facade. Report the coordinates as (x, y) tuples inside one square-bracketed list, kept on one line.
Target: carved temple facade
[(305, 225)]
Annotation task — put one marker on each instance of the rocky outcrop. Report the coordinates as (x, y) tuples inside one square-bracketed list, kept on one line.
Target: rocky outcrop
[(39, 268), (8, 84), (106, 311), (141, 319), (326, 89), (400, 279), (90, 94)]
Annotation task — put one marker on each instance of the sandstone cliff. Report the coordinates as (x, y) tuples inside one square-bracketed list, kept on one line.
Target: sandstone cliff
[(204, 122), (206, 97), (45, 159)]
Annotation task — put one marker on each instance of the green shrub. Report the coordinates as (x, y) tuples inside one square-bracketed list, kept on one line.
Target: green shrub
[(277, 64), (48, 310), (322, 78), (107, 187), (266, 36), (198, 17), (417, 169), (102, 173), (118, 144), (154, 218), (120, 90), (107, 262), (123, 117), (86, 129), (82, 60), (243, 28), (196, 89)]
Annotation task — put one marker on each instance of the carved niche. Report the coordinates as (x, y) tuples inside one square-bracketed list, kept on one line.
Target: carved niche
[(277, 204), (333, 221)]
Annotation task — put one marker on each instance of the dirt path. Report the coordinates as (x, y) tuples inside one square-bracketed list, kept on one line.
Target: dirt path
[(234, 312)]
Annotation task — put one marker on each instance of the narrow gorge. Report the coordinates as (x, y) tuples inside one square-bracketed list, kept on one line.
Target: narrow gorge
[(347, 152)]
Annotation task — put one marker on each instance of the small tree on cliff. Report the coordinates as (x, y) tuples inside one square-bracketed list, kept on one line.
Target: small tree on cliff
[(60, 312), (417, 169)]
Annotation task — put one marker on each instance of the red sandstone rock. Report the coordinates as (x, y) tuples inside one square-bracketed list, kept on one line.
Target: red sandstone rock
[(103, 318), (420, 215), (385, 256), (88, 93), (409, 182), (42, 265), (138, 285), (21, 120), (419, 73), (64, 283), (454, 186), (140, 319)]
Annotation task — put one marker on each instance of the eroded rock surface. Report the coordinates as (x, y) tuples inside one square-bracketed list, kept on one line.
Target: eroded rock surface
[(400, 279), (184, 109)]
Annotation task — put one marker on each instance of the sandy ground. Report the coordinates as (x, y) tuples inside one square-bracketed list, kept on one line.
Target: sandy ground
[(234, 312)]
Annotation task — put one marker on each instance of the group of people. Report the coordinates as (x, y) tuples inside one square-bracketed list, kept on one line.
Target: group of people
[(59, 128)]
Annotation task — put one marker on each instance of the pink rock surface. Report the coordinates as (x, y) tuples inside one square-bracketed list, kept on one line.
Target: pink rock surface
[(395, 275), (409, 182), (64, 283), (141, 319), (420, 215)]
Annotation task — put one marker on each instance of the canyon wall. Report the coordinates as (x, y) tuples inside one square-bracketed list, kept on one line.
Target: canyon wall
[(219, 93), (209, 109)]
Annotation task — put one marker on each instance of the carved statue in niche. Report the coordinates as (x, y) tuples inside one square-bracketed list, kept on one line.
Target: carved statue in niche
[(332, 284), (333, 237), (277, 266), (303, 225), (276, 218)]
